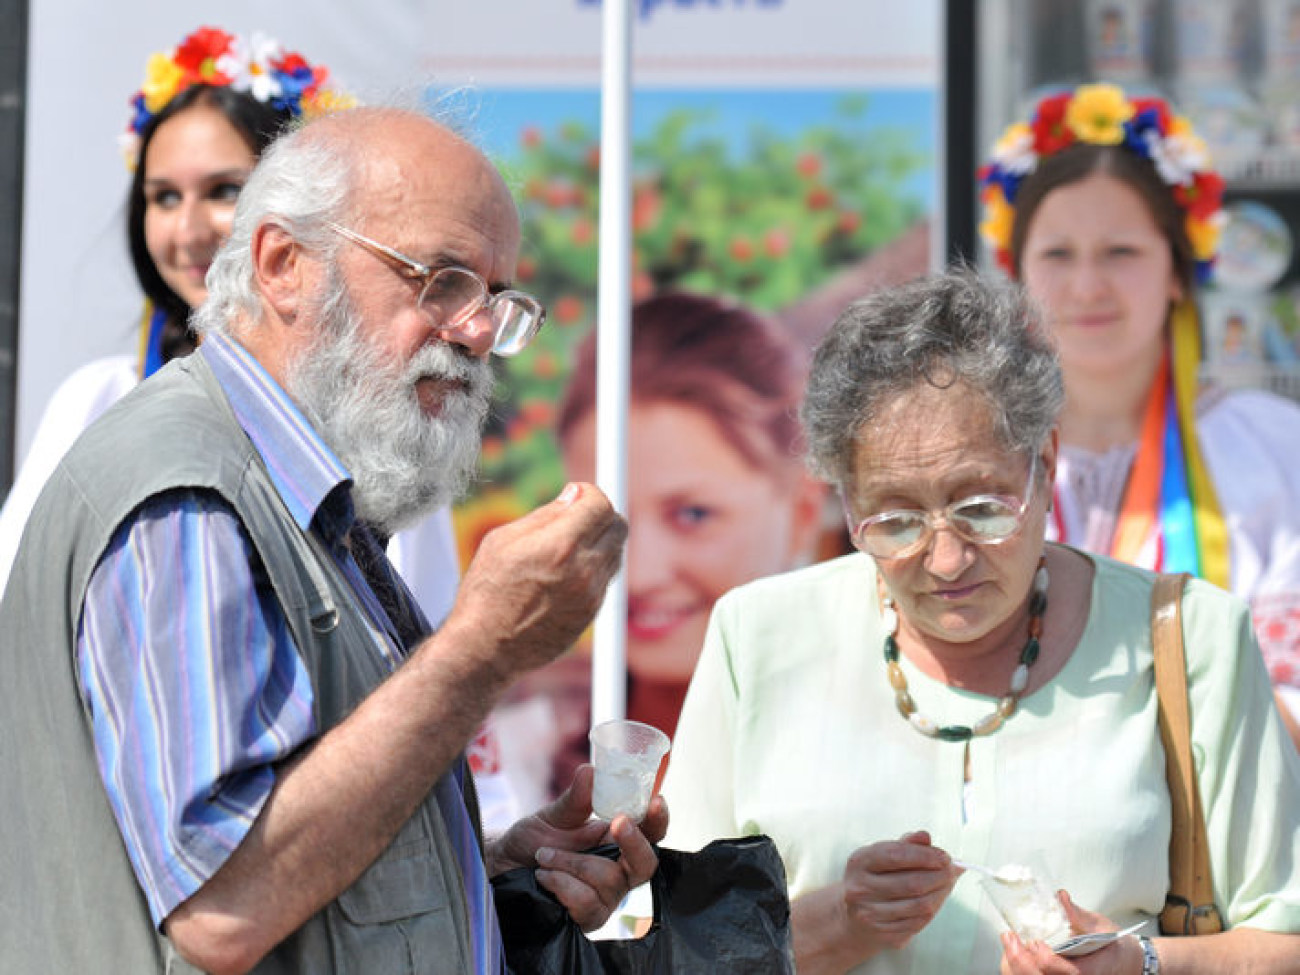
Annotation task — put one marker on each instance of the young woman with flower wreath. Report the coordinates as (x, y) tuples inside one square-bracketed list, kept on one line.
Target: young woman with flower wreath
[(1106, 208), (198, 124), (202, 117)]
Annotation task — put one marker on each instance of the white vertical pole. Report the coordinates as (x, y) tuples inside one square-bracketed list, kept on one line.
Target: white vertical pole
[(613, 324)]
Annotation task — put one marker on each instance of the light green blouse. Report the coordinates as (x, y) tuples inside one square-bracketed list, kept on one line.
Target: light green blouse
[(790, 729)]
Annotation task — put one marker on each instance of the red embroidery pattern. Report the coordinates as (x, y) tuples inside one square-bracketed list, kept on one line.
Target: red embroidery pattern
[(484, 753), (1277, 626)]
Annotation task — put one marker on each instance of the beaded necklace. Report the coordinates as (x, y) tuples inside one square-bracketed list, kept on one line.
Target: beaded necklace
[(1006, 704)]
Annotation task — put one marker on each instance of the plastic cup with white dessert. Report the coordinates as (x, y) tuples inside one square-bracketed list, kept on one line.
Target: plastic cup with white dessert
[(1025, 896), (626, 756)]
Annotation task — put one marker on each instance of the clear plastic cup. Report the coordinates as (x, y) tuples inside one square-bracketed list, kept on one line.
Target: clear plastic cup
[(1025, 896), (626, 755)]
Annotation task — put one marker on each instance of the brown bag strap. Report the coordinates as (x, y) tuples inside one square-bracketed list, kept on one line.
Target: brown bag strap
[(1189, 908)]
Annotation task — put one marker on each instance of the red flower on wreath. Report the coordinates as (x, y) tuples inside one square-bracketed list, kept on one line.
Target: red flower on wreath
[(1051, 134), (1203, 197), (198, 55)]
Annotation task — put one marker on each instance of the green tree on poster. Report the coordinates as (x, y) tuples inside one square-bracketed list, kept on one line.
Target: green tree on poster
[(764, 223)]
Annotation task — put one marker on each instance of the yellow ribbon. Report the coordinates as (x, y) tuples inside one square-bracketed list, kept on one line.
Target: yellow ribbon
[(1211, 530)]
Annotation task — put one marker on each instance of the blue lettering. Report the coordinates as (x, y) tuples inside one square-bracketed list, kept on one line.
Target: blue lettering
[(645, 8)]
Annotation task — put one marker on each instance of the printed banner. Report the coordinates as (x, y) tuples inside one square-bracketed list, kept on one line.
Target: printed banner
[(784, 163)]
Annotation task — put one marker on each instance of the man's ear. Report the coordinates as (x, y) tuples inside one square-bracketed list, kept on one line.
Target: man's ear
[(278, 269)]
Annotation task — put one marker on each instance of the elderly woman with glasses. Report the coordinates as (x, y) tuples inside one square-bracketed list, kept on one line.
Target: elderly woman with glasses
[(961, 691)]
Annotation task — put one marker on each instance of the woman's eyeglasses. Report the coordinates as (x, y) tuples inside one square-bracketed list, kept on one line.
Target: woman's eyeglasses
[(984, 519), (453, 295)]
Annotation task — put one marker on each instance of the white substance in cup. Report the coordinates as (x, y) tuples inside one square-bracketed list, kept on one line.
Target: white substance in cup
[(626, 755), (622, 787), (1028, 904)]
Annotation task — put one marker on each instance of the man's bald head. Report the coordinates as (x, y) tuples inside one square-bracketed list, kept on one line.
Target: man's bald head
[(356, 167)]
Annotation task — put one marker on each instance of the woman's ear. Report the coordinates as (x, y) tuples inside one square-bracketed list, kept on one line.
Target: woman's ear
[(1050, 453), (1176, 290), (806, 517)]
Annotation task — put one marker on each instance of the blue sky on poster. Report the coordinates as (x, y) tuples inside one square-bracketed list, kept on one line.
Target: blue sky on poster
[(785, 65), (501, 115)]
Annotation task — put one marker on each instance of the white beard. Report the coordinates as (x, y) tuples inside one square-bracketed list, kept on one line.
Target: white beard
[(404, 463)]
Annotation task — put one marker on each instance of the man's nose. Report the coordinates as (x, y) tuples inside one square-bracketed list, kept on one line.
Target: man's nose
[(475, 334)]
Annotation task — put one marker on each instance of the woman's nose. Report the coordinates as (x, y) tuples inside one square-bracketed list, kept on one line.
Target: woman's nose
[(194, 226), (1088, 279), (649, 564), (946, 554)]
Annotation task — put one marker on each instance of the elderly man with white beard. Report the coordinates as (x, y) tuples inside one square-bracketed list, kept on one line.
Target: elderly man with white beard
[(228, 740)]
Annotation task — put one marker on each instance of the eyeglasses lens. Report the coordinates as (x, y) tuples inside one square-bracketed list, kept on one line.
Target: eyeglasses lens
[(985, 520), (455, 294), (893, 534), (516, 320), (452, 295), (981, 521)]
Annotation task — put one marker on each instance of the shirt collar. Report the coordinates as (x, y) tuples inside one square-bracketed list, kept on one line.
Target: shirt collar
[(308, 475)]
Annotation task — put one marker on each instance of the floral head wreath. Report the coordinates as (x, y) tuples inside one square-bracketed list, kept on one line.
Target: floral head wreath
[(258, 65), (1102, 115)]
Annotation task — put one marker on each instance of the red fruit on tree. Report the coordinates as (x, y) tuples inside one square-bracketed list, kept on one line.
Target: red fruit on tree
[(808, 164), (568, 309), (741, 249), (776, 243), (818, 198)]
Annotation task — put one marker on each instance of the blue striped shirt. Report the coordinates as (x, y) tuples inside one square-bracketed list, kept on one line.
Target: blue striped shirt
[(194, 683)]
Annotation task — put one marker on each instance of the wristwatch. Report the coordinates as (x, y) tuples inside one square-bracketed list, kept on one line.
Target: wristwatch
[(1150, 960)]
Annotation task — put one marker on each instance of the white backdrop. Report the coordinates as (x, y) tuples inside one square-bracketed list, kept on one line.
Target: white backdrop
[(87, 57), (79, 298)]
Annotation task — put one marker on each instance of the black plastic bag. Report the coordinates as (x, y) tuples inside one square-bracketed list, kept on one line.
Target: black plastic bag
[(723, 909)]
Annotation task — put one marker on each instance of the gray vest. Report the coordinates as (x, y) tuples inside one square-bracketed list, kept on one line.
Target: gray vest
[(69, 901)]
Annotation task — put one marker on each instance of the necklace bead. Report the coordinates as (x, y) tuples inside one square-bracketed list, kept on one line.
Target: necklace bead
[(1007, 704)]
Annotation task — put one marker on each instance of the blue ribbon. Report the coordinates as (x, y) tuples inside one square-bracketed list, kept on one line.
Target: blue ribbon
[(1177, 520)]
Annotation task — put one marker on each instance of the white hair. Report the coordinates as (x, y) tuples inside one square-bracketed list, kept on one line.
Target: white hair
[(301, 183)]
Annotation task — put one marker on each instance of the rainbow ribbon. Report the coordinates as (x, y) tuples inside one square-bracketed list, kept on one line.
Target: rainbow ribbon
[(1170, 487)]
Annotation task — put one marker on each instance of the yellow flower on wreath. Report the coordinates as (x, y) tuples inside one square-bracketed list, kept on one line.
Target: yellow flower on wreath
[(1204, 236), (999, 218), (1097, 113), (162, 78), (327, 100)]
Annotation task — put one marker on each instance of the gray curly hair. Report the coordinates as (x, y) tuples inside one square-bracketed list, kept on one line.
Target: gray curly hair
[(954, 326)]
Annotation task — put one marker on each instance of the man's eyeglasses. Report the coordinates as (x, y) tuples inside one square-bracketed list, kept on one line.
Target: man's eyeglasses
[(985, 519), (453, 295)]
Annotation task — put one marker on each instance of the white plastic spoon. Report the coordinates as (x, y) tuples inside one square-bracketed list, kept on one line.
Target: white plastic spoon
[(999, 876)]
